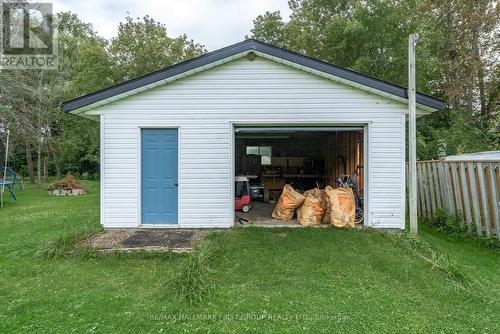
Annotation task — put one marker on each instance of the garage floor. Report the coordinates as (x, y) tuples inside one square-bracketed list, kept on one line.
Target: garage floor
[(260, 216)]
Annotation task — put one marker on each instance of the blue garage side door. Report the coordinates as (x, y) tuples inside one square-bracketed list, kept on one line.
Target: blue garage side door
[(159, 176)]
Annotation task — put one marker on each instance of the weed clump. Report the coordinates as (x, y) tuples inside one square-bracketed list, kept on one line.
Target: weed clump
[(454, 271), (67, 246), (194, 282)]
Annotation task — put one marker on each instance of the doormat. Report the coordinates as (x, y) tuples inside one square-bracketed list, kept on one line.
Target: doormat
[(175, 239)]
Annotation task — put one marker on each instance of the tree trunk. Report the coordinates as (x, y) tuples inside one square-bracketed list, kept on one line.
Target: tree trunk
[(478, 62), (29, 162), (56, 163), (470, 96), (452, 54), (45, 169), (39, 165), (473, 75), (482, 97)]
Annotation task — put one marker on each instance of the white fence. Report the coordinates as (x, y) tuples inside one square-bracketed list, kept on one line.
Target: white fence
[(470, 189)]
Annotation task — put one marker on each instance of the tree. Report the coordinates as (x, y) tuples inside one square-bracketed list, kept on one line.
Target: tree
[(28, 98), (369, 37), (47, 140), (83, 58), (31, 98), (270, 28), (456, 56), (143, 46), (86, 67), (470, 57)]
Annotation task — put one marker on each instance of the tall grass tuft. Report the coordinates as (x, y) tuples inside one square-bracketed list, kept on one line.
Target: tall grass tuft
[(454, 271), (68, 246), (194, 282)]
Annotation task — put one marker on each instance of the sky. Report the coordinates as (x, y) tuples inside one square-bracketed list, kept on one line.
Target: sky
[(213, 23)]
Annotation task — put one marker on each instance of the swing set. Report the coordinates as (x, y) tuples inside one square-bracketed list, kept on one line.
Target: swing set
[(9, 177)]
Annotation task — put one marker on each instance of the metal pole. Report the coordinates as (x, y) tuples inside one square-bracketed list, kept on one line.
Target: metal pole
[(412, 135), (5, 167)]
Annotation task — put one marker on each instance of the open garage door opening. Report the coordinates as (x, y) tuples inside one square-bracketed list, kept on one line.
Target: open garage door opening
[(306, 157)]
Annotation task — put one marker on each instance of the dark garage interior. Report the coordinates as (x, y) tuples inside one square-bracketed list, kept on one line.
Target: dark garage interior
[(305, 157)]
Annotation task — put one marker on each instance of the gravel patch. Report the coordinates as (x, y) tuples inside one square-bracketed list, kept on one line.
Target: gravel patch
[(175, 240), (109, 239)]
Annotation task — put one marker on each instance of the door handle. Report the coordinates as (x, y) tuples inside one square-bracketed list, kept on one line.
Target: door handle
[(176, 184)]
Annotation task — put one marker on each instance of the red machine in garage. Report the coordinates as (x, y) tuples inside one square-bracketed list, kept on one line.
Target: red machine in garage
[(242, 197)]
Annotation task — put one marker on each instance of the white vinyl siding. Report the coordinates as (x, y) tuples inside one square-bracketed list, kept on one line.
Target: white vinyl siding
[(205, 106)]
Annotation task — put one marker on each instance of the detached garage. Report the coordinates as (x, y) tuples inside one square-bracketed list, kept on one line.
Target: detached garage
[(174, 141)]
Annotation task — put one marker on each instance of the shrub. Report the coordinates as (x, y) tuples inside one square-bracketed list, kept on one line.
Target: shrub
[(450, 225), (445, 222)]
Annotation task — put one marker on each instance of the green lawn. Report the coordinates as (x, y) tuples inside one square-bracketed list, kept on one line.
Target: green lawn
[(268, 281)]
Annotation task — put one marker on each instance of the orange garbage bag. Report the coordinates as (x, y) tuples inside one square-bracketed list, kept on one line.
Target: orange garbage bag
[(322, 196), (311, 212), (328, 208), (318, 193), (288, 202), (342, 206)]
